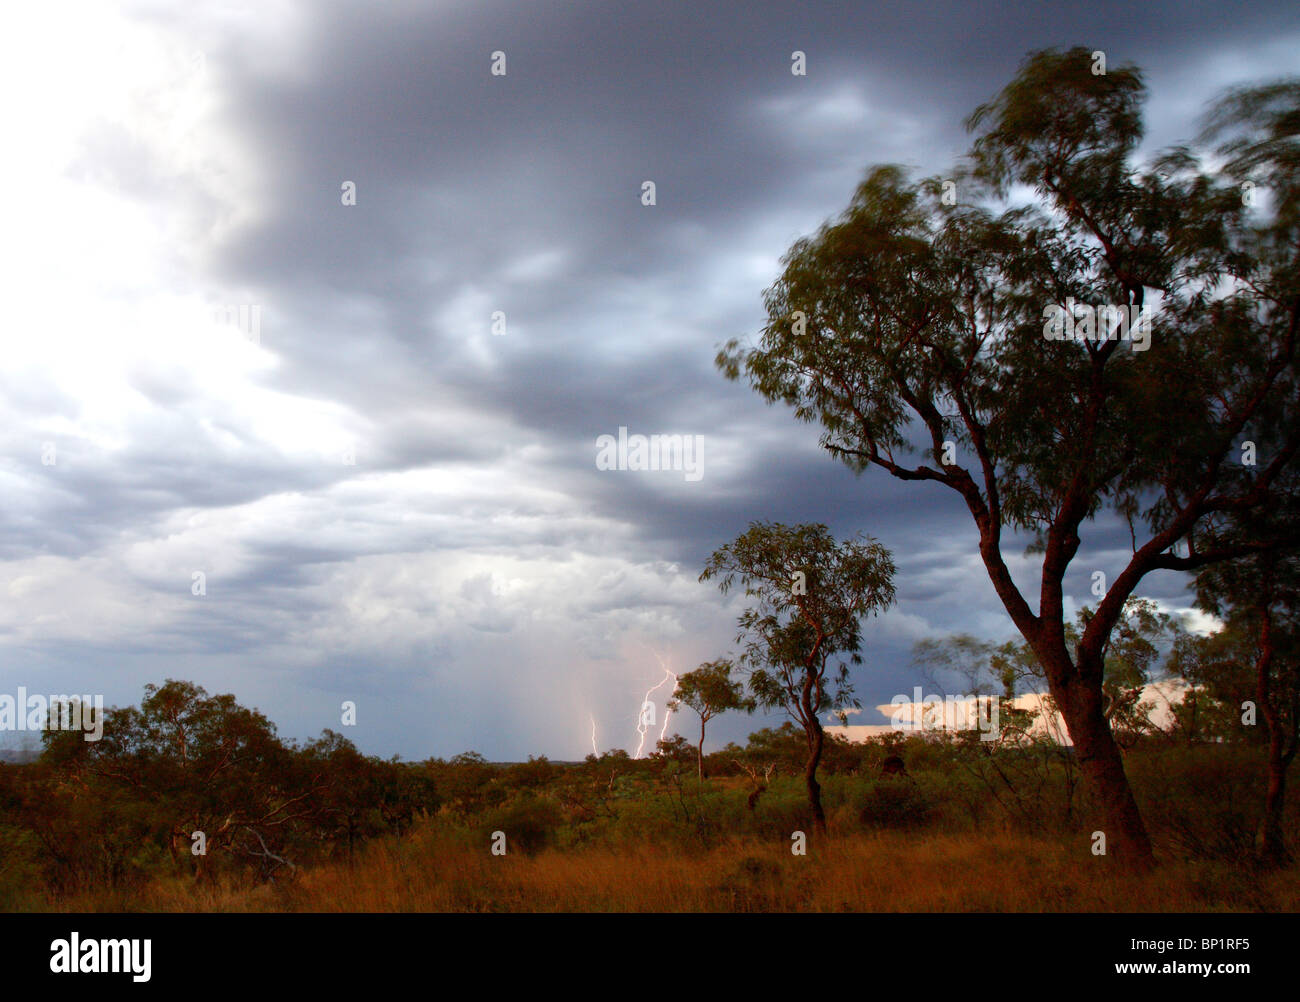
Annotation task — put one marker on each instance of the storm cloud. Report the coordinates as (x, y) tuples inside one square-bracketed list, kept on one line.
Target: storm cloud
[(387, 491)]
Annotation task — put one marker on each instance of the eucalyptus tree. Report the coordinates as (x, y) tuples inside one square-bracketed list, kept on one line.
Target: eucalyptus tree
[(1111, 348), (809, 593), (709, 690)]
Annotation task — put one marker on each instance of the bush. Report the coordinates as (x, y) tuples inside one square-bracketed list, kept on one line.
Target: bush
[(1201, 802), (896, 804), (782, 809), (530, 824)]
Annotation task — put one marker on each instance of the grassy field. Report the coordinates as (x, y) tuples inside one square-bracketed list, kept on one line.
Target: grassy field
[(431, 871)]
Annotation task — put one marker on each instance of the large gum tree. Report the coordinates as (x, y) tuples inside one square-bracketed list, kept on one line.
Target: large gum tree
[(912, 329)]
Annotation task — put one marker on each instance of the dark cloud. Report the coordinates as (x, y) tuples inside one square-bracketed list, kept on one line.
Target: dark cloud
[(473, 579)]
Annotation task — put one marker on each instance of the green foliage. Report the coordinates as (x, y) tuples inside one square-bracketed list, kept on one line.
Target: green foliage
[(782, 809), (786, 746), (1259, 131), (894, 803), (64, 827), (1203, 801), (809, 594), (674, 749), (709, 690), (790, 632), (534, 773), (530, 823), (115, 812)]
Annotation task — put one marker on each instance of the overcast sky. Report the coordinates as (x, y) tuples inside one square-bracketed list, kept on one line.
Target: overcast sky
[(389, 503)]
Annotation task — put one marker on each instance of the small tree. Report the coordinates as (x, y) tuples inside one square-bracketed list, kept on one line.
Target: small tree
[(810, 594), (709, 690), (1259, 598)]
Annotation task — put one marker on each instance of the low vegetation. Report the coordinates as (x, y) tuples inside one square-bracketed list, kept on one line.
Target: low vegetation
[(969, 826)]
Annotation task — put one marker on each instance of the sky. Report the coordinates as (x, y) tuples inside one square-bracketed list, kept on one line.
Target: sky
[(270, 442)]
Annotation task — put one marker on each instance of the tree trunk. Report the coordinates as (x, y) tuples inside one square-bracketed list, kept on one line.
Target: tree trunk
[(1269, 844), (816, 738), (699, 751), (1102, 768), (1270, 847)]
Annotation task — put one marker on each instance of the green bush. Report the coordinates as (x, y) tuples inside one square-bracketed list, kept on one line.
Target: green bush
[(1201, 802), (530, 823), (895, 803), (782, 809)]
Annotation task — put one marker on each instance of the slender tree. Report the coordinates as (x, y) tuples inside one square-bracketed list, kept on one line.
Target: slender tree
[(709, 690), (809, 595), (1258, 596)]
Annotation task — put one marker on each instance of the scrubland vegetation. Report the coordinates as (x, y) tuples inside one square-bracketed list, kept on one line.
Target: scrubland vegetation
[(972, 825)]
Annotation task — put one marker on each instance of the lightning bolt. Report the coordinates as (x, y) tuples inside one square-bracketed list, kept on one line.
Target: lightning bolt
[(593, 736), (669, 675)]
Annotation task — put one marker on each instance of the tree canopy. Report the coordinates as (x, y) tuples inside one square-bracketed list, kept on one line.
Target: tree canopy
[(912, 329)]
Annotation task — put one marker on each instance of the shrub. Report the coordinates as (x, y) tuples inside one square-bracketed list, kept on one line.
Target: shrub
[(1201, 802), (530, 823), (895, 803)]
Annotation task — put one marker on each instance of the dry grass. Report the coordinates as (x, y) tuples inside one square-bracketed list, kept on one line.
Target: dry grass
[(432, 871)]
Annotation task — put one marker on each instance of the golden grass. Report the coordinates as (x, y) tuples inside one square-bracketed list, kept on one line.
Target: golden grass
[(430, 871)]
